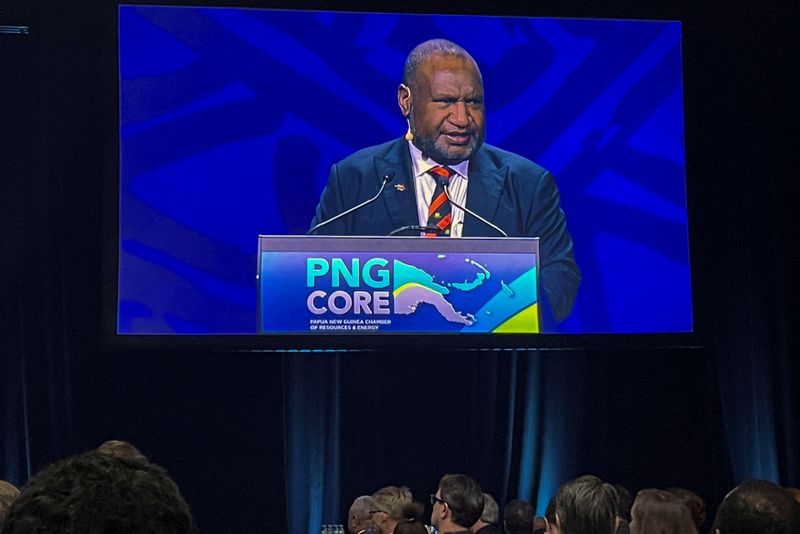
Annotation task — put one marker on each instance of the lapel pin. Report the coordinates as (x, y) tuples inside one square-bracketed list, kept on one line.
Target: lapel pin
[(400, 187)]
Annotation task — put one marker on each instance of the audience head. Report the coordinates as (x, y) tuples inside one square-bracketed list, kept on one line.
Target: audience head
[(359, 517), (624, 502), (390, 502), (412, 520), (122, 449), (656, 511), (8, 493), (758, 506), (539, 525), (795, 493), (550, 517), (695, 503), (458, 502), (518, 517), (95, 493), (490, 515), (585, 505)]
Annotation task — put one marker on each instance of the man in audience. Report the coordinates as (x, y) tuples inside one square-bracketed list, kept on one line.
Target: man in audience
[(359, 518), (758, 506), (584, 505), (8, 493), (487, 524), (518, 517), (123, 449), (390, 502), (457, 504), (695, 504), (95, 493)]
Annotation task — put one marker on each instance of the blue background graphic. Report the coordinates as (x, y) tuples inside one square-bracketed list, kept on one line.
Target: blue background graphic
[(231, 118)]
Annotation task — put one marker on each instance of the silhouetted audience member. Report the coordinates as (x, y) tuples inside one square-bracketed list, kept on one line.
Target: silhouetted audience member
[(359, 517), (122, 449), (758, 506), (695, 503), (457, 504), (586, 505), (624, 502), (655, 511), (487, 524), (539, 525), (518, 517), (95, 493), (412, 520), (551, 526), (390, 501), (8, 494)]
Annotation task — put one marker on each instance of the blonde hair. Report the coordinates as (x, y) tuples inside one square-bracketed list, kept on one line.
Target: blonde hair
[(392, 500)]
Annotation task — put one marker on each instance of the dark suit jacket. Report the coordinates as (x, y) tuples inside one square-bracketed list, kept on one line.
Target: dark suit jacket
[(514, 193), (489, 529)]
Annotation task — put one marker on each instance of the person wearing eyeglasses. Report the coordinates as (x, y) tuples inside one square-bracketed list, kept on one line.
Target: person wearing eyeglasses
[(390, 503), (359, 518), (457, 504)]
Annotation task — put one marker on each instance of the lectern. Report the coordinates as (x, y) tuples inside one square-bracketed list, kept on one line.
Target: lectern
[(323, 285)]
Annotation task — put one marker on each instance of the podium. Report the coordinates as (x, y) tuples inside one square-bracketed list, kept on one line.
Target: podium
[(328, 285)]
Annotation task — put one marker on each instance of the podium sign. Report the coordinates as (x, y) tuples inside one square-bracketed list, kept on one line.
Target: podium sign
[(360, 285)]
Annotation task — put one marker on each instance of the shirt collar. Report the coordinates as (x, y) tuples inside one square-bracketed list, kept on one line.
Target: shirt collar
[(422, 165)]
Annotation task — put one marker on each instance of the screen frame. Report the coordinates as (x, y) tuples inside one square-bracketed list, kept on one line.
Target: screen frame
[(110, 86)]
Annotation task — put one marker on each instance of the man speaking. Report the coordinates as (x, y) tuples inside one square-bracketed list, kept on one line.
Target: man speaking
[(443, 158)]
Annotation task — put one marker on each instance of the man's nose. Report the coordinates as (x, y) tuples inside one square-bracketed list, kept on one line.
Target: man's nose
[(460, 115)]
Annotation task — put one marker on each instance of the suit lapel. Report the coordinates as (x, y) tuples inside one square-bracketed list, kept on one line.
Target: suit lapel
[(400, 195), (483, 193)]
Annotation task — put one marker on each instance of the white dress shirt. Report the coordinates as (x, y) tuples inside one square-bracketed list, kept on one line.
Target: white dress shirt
[(425, 184)]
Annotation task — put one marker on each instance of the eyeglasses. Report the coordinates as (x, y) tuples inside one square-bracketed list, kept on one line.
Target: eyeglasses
[(435, 499)]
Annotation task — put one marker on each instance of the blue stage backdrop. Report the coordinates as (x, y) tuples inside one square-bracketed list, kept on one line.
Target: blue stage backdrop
[(231, 118)]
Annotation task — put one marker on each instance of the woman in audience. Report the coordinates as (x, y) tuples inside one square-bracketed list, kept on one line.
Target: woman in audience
[(658, 512), (412, 520)]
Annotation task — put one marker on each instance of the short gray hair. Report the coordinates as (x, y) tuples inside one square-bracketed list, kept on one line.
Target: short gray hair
[(491, 512), (362, 506)]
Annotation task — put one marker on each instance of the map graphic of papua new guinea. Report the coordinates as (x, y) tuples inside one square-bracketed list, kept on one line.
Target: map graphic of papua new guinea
[(413, 286)]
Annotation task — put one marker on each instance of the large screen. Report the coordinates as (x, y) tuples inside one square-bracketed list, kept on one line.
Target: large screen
[(231, 120)]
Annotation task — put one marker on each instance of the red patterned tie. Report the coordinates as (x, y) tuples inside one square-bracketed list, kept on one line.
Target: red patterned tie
[(439, 213)]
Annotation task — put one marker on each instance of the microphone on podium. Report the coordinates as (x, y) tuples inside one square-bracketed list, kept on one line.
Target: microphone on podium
[(387, 177), (445, 183)]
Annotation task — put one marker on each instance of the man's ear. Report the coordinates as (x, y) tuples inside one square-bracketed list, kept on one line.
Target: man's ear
[(404, 99)]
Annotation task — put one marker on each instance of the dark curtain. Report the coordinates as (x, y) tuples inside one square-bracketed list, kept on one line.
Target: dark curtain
[(48, 162), (747, 268), (312, 416)]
